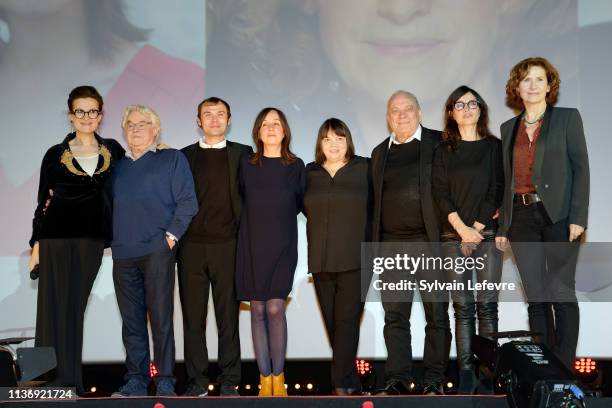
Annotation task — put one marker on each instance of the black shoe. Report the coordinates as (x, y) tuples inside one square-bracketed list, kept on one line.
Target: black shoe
[(433, 389), (195, 390), (346, 391), (133, 388), (394, 387), (228, 390), (468, 383), (165, 388)]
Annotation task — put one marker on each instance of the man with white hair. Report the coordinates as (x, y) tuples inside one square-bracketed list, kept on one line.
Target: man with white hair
[(404, 212), (153, 203)]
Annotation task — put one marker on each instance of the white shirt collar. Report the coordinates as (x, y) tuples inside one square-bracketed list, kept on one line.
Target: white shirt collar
[(219, 145), (415, 136), (152, 148)]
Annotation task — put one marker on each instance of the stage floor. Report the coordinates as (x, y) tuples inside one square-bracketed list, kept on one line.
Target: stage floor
[(447, 401)]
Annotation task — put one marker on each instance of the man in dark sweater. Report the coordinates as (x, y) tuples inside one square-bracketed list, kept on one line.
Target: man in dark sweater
[(404, 212), (153, 203), (207, 253)]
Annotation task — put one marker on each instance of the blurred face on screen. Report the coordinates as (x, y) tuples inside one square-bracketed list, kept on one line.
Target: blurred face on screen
[(403, 116), (378, 46), (214, 120)]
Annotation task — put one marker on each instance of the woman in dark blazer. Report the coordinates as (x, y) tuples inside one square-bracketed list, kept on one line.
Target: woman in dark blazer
[(546, 200), (337, 204), (468, 182), (71, 227)]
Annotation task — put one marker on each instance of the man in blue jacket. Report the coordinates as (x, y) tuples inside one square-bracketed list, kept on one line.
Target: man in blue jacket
[(154, 202)]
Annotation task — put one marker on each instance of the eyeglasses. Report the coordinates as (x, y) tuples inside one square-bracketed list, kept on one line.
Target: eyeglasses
[(138, 125), (92, 113), (459, 106)]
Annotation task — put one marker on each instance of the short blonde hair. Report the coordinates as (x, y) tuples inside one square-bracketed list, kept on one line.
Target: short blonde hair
[(145, 110)]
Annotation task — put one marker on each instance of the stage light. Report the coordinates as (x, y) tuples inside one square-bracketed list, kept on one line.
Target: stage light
[(93, 389), (297, 386), (449, 385), (309, 386), (211, 387), (152, 369), (365, 372), (247, 387), (588, 372)]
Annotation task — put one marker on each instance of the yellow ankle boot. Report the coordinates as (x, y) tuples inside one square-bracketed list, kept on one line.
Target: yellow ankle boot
[(278, 385), (266, 386)]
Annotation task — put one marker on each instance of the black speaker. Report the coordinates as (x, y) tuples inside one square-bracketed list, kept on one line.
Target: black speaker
[(25, 364), (532, 376)]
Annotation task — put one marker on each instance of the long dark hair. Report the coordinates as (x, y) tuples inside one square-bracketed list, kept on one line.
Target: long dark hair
[(451, 135), (287, 157)]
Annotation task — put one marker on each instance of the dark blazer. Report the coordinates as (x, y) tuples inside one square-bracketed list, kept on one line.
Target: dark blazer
[(234, 152), (561, 167), (429, 141)]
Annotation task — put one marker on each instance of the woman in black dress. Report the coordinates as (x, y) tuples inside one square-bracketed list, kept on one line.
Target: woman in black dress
[(468, 183), (337, 204), (71, 230), (272, 183), (546, 200)]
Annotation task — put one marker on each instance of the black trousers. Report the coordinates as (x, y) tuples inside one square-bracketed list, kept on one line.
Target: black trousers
[(200, 267), (398, 338), (339, 296), (146, 284), (548, 275), (68, 269), (466, 305)]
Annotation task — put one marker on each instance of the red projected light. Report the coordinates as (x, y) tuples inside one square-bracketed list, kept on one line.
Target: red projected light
[(363, 367), (585, 365), (152, 369)]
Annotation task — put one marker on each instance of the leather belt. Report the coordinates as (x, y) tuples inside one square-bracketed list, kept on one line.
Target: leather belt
[(527, 198)]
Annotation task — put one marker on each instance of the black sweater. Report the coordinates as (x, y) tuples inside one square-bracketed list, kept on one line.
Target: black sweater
[(338, 211), (402, 215), (470, 181), (81, 205)]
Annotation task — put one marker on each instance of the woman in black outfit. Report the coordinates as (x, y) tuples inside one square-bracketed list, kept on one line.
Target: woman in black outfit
[(71, 228), (337, 206), (272, 185), (468, 186), (546, 200)]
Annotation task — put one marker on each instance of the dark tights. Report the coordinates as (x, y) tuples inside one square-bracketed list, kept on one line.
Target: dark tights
[(269, 330)]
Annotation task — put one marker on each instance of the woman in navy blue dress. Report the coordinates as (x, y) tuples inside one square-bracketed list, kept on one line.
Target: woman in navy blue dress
[(272, 184)]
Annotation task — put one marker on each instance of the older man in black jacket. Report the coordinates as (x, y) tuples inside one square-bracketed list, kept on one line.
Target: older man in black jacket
[(404, 212)]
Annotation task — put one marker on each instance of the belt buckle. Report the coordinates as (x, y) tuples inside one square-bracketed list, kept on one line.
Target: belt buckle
[(525, 198)]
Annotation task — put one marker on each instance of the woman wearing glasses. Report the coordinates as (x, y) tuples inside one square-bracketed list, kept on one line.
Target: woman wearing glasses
[(71, 228), (468, 186)]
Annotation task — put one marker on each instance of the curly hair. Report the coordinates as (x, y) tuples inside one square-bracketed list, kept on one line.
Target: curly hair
[(450, 134), (520, 71)]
